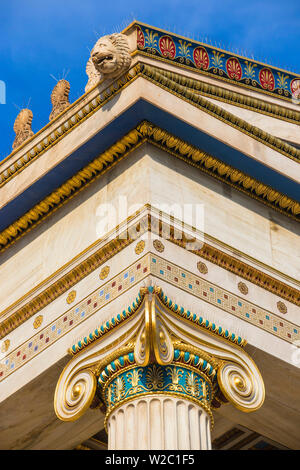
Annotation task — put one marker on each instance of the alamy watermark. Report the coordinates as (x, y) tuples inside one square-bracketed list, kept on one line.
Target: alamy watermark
[(176, 221), (2, 92)]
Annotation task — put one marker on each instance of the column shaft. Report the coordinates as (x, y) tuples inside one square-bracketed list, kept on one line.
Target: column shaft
[(159, 422)]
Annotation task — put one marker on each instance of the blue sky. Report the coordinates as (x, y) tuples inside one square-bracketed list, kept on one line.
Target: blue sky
[(41, 39)]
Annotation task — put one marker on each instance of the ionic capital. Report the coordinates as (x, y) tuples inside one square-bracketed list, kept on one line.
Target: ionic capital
[(158, 347)]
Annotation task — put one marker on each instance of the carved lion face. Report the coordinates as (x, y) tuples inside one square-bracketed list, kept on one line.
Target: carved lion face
[(109, 57), (105, 56)]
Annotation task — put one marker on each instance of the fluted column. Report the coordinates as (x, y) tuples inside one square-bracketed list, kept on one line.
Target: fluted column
[(159, 422), (158, 407)]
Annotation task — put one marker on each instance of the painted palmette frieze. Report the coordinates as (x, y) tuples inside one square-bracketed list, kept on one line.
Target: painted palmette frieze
[(218, 63)]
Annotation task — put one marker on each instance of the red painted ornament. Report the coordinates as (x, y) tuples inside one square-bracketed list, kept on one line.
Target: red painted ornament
[(266, 79), (234, 69), (201, 58), (295, 88), (167, 47), (140, 38)]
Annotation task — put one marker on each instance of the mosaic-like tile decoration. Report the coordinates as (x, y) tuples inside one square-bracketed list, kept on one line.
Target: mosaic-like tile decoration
[(215, 62), (175, 378), (162, 269), (223, 299), (73, 317)]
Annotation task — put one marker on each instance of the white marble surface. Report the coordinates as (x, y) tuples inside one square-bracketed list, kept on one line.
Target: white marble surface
[(148, 175), (159, 422)]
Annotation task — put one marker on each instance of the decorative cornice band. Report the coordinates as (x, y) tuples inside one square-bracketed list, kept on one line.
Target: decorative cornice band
[(234, 265), (70, 188), (196, 99), (198, 320), (146, 223), (184, 87), (250, 273), (217, 63), (169, 143), (220, 170), (225, 95)]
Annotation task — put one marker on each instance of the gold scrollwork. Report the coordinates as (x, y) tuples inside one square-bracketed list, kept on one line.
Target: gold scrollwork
[(153, 340), (162, 343), (242, 387), (74, 396), (133, 377), (142, 347), (175, 373)]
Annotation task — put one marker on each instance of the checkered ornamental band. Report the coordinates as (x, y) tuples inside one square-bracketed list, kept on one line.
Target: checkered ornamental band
[(120, 283)]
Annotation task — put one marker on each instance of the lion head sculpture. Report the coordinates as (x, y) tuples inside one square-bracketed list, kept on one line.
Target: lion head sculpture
[(109, 57)]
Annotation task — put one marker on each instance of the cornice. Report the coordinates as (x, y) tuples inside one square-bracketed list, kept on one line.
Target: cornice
[(181, 86), (188, 94), (83, 108), (136, 23), (222, 171), (227, 96), (167, 142), (145, 223), (215, 62), (226, 261)]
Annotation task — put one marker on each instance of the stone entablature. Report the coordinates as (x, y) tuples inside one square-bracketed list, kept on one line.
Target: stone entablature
[(52, 288), (156, 136), (173, 81), (82, 303)]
